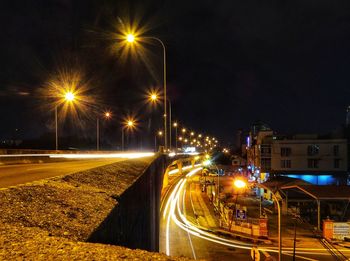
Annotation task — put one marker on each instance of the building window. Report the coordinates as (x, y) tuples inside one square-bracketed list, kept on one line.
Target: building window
[(265, 150), (265, 164), (286, 164), (336, 150), (285, 152), (312, 163), (336, 163), (313, 150)]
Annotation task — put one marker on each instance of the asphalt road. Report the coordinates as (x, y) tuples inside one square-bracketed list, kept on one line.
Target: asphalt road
[(11, 175), (177, 241), (178, 237)]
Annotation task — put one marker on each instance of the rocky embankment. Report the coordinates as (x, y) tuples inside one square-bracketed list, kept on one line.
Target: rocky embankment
[(51, 219)]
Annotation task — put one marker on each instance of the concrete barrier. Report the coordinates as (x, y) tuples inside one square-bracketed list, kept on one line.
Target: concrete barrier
[(134, 222)]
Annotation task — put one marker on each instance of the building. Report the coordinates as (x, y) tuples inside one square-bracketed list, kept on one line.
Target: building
[(238, 161), (320, 160)]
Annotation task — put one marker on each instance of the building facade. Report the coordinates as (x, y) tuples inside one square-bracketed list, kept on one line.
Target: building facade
[(318, 160)]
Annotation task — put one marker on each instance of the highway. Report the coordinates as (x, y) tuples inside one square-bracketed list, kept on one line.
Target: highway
[(180, 236), (57, 165), (11, 175)]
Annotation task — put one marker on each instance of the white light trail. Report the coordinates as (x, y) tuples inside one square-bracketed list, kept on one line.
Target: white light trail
[(131, 155), (188, 234), (175, 171), (190, 228)]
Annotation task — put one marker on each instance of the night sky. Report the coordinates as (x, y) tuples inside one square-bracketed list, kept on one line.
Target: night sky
[(230, 63)]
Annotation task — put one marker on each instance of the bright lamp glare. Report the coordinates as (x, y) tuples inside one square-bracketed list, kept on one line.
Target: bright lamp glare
[(207, 163), (69, 96), (240, 183), (130, 38)]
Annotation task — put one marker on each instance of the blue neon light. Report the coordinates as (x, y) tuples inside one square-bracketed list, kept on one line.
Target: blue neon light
[(314, 179)]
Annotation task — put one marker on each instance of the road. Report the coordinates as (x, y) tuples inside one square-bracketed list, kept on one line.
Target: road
[(181, 236), (11, 175)]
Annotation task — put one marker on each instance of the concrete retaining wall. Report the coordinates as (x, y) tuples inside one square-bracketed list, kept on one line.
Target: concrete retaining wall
[(134, 222)]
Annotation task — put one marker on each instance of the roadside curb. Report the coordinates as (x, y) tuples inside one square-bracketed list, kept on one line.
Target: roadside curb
[(242, 236)]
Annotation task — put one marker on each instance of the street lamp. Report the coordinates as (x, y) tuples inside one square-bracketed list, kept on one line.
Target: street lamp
[(153, 96), (68, 97), (129, 124), (131, 39), (239, 183), (107, 115), (175, 125), (159, 133)]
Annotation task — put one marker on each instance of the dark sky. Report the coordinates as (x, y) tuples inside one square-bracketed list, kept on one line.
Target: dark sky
[(230, 63)]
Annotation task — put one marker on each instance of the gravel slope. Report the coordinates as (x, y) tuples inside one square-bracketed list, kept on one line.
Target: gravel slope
[(50, 219)]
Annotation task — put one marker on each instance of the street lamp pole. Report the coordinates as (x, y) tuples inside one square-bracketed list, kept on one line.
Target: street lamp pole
[(68, 97), (97, 133), (131, 38), (122, 138), (56, 127), (165, 90), (129, 124), (155, 143), (175, 125), (279, 221), (170, 129), (160, 133)]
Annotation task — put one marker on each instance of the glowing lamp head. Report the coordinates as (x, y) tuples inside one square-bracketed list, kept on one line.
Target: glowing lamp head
[(240, 183), (175, 124), (130, 38), (160, 133), (69, 96), (207, 163), (130, 123), (107, 114), (154, 97)]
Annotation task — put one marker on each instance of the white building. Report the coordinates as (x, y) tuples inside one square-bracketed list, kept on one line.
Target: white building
[(321, 161)]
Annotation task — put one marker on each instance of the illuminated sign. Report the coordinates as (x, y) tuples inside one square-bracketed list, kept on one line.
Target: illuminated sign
[(190, 149)]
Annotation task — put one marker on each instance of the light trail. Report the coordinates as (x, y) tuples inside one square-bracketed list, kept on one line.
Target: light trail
[(172, 200), (188, 234), (192, 229), (175, 171), (130, 155)]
